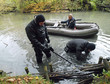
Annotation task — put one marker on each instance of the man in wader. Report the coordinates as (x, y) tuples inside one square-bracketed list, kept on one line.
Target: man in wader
[(77, 46), (70, 22), (37, 33)]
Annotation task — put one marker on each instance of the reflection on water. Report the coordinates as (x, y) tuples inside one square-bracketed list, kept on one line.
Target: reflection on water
[(16, 52), (12, 55)]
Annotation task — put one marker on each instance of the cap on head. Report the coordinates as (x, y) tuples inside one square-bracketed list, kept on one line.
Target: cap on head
[(70, 16), (90, 46), (39, 18)]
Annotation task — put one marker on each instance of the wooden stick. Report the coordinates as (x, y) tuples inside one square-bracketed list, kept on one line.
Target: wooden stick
[(62, 57), (51, 68), (86, 81), (92, 66), (46, 72), (106, 64), (1, 71), (100, 60), (27, 70), (78, 19)]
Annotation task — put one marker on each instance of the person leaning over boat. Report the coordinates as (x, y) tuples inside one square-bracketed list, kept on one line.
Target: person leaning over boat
[(70, 22), (37, 33), (77, 46)]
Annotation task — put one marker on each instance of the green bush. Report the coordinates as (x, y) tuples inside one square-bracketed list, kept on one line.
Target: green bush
[(104, 79), (54, 5), (25, 79)]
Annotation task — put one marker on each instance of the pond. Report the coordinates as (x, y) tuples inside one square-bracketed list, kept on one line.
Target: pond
[(16, 52)]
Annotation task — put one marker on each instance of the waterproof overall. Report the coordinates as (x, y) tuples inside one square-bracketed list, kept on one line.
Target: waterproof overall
[(38, 36), (77, 46)]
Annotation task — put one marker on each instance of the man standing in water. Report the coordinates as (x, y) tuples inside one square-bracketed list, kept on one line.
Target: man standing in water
[(37, 33), (77, 46), (70, 22)]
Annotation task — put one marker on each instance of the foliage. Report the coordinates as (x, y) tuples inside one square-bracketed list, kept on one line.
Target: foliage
[(106, 2), (88, 4), (93, 4), (6, 7), (26, 79), (23, 79), (105, 79), (28, 8), (74, 6), (43, 6), (36, 7), (53, 5), (103, 5)]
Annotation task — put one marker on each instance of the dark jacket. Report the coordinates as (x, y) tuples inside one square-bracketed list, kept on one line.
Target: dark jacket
[(77, 46), (37, 34), (70, 23)]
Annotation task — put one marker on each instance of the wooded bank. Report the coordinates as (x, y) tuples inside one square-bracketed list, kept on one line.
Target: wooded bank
[(33, 6)]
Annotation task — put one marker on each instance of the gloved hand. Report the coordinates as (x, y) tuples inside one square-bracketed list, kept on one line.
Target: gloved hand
[(46, 49), (82, 57), (59, 22), (51, 49)]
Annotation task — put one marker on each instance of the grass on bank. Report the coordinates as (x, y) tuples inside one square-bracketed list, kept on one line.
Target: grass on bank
[(25, 79), (104, 79)]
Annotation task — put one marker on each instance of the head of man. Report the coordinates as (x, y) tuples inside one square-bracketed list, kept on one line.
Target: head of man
[(39, 20), (89, 47), (70, 16)]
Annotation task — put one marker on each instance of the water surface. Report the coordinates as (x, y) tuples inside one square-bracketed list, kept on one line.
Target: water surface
[(16, 52)]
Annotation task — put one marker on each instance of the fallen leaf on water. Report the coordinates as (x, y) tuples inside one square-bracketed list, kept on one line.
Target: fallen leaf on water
[(19, 79), (37, 77), (11, 80), (30, 78)]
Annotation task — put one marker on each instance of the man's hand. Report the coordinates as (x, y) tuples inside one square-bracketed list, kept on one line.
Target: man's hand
[(59, 22), (51, 49), (83, 57), (46, 49)]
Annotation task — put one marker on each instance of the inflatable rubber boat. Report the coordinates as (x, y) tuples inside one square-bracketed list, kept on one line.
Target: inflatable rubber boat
[(83, 29)]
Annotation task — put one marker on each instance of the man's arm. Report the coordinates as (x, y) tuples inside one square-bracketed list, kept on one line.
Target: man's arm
[(32, 37), (64, 21), (80, 56), (47, 37)]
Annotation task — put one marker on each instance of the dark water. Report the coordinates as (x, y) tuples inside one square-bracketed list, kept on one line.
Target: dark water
[(16, 52)]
